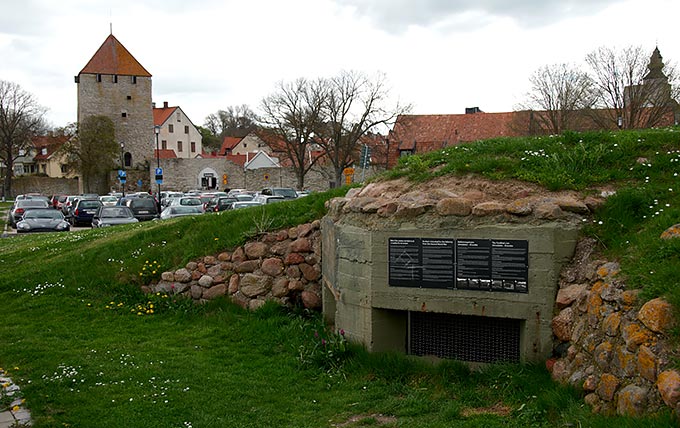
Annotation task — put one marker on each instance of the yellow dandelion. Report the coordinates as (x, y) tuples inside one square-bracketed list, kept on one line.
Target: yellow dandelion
[(5, 385), (151, 306), (150, 311), (139, 313), (140, 274), (153, 273), (88, 305), (15, 408)]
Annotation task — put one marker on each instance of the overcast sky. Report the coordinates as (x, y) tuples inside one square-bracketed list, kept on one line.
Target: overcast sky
[(438, 55)]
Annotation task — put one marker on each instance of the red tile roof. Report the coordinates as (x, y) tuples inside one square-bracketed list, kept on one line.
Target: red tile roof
[(113, 58), (228, 144), (160, 115), (237, 159), (52, 144), (165, 154), (430, 132)]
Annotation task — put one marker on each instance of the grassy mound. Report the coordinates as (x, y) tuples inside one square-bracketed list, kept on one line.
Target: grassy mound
[(89, 349)]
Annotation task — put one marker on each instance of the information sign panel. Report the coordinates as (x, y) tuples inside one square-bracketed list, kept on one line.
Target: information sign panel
[(404, 262)]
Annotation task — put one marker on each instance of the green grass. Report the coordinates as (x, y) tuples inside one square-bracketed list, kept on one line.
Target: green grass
[(76, 337)]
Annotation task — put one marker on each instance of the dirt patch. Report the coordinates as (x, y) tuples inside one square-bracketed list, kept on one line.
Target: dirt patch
[(376, 419), (498, 409)]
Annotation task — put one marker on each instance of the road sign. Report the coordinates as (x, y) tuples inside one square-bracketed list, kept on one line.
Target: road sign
[(159, 171), (121, 173), (266, 177)]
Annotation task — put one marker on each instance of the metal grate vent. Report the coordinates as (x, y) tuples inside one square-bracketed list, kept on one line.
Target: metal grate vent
[(464, 337)]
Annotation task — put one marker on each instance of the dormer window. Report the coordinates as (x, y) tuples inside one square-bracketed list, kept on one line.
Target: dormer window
[(43, 151), (22, 152)]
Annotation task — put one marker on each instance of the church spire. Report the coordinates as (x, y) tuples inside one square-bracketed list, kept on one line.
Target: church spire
[(655, 66)]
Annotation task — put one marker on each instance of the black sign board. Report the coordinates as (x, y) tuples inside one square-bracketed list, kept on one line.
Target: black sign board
[(510, 265), (473, 258), (404, 262), (438, 263), (469, 264)]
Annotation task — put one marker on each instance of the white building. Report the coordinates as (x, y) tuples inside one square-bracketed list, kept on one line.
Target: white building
[(178, 137)]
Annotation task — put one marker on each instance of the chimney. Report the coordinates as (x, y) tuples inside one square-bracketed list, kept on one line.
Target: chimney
[(472, 110), (165, 104), (153, 105)]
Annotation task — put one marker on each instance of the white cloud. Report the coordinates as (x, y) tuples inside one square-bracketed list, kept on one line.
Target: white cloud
[(206, 55)]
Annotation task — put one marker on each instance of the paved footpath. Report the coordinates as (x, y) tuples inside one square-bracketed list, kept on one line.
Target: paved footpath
[(13, 414)]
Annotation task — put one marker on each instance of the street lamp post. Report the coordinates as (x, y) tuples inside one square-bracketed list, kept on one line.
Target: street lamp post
[(157, 130), (122, 178)]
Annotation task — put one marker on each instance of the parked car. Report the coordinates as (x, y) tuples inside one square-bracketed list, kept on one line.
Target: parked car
[(22, 206), (187, 201), (110, 216), (219, 203), (180, 211), (83, 211), (286, 192), (67, 204), (268, 199), (243, 196), (167, 197), (245, 204), (143, 208), (42, 220), (56, 200), (108, 200)]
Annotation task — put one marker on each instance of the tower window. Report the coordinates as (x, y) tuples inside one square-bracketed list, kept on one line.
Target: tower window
[(123, 114), (129, 97), (99, 78), (115, 78), (127, 159), (134, 79)]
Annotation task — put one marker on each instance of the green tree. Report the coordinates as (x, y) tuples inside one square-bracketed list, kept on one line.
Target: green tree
[(211, 142), (21, 119), (93, 152)]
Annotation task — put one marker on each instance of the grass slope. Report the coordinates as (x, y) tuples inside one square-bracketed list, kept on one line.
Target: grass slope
[(88, 349)]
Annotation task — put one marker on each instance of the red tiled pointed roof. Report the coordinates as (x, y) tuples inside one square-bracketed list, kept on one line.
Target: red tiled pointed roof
[(160, 115), (113, 58), (237, 159)]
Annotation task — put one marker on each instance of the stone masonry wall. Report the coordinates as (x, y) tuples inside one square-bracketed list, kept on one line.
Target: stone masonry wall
[(283, 266), (608, 344)]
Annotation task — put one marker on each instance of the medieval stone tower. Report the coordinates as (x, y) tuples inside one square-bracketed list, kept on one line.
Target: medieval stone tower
[(115, 84)]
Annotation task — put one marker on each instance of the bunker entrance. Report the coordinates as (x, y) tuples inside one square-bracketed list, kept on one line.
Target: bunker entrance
[(464, 337)]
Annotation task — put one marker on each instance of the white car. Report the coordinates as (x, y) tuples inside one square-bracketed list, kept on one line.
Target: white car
[(108, 200)]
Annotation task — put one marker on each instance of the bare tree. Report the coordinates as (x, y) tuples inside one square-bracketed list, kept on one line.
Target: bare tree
[(290, 117), (558, 97), (354, 106), (234, 121), (93, 152), (633, 90), (21, 119)]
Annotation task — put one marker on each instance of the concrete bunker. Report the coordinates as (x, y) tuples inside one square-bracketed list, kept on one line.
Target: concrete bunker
[(439, 303)]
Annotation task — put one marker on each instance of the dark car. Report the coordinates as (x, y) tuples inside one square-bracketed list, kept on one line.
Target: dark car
[(113, 215), (142, 208), (286, 192), (219, 203), (84, 210), (21, 206), (43, 220)]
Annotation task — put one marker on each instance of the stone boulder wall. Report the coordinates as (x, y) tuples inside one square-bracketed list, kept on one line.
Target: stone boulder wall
[(283, 266), (609, 344)]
